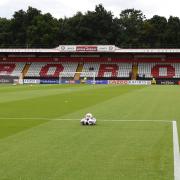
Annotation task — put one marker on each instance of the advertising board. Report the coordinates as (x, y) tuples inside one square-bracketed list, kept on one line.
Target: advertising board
[(120, 82), (31, 81)]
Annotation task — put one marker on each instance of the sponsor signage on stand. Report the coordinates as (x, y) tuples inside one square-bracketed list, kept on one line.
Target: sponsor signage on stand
[(87, 48), (129, 82), (31, 81), (49, 81), (121, 82), (166, 82), (138, 82)]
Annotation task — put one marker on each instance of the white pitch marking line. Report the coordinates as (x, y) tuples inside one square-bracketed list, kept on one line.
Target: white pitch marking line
[(69, 119), (176, 152), (131, 120)]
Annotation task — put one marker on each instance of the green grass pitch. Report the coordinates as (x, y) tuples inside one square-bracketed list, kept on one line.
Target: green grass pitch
[(35, 146)]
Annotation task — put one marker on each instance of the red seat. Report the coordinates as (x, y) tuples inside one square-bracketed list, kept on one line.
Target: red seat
[(53, 73), (7, 69), (112, 68), (170, 71)]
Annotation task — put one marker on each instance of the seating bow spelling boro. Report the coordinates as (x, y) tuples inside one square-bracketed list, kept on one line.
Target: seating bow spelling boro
[(86, 65)]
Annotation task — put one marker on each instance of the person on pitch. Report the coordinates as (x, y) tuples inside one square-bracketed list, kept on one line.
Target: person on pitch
[(88, 120)]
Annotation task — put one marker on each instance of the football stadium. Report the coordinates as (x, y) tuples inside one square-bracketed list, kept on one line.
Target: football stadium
[(132, 93)]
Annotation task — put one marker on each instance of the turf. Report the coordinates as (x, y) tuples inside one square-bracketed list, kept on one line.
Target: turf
[(34, 145)]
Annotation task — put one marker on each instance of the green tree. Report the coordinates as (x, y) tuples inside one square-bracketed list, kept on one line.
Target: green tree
[(131, 24), (94, 27), (43, 31), (18, 28), (172, 34), (5, 32), (31, 28), (158, 25)]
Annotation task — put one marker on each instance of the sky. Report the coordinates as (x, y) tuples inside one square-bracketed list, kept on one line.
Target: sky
[(67, 8)]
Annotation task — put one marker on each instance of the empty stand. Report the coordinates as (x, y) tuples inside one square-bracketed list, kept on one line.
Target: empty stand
[(159, 70), (125, 69), (90, 67), (52, 69), (11, 69), (107, 70), (100, 70)]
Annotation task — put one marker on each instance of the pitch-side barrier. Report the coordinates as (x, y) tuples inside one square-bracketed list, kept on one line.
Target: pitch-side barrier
[(56, 81)]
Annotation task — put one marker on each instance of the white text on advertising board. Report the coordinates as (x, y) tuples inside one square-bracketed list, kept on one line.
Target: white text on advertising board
[(86, 48)]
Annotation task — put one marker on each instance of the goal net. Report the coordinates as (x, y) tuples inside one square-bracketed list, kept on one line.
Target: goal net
[(77, 77), (63, 78), (9, 79)]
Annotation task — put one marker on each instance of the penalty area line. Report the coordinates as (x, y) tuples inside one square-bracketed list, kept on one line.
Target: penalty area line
[(176, 151), (74, 119)]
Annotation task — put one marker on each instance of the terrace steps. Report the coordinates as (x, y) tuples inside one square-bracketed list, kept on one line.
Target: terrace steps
[(134, 72), (25, 70), (78, 72)]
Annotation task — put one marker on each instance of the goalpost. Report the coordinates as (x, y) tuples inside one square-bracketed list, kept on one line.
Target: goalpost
[(77, 77), (9, 79), (63, 78)]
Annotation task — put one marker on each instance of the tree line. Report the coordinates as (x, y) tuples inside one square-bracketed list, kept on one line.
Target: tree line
[(33, 29)]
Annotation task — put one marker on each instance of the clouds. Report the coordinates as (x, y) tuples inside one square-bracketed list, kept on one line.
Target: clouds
[(61, 8), (58, 8)]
